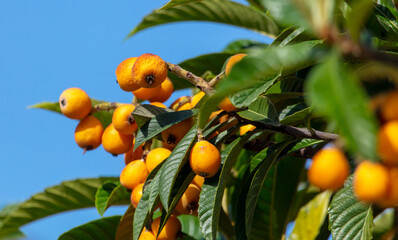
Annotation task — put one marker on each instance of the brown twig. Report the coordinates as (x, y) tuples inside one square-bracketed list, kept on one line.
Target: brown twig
[(217, 78), (107, 106)]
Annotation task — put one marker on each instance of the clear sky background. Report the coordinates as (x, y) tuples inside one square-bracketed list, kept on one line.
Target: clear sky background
[(48, 46)]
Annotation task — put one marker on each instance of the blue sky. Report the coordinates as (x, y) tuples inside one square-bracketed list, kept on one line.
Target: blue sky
[(48, 46)]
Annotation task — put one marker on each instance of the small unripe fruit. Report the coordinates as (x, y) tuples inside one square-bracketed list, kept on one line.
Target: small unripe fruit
[(370, 182), (163, 92), (115, 142), (88, 133), (155, 157), (133, 155), (149, 71), (329, 169), (147, 236), (123, 75), (205, 159), (133, 174), (246, 128), (388, 143), (198, 181), (188, 203), (122, 119), (389, 109), (175, 133), (196, 98), (226, 105), (75, 103), (232, 61), (170, 230), (136, 194)]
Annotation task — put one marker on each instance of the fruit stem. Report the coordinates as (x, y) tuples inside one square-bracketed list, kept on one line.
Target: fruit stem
[(217, 78), (106, 106)]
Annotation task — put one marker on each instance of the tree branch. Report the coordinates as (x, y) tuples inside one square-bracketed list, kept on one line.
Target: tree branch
[(107, 106), (217, 78)]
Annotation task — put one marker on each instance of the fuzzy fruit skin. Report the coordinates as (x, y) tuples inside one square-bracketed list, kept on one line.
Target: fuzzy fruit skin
[(232, 61), (158, 104), (196, 98), (123, 75), (170, 229), (146, 93), (329, 169), (188, 203), (370, 182), (163, 92), (133, 174), (388, 108), (226, 105), (205, 159), (147, 236), (388, 143), (75, 103), (88, 133), (155, 157), (133, 155), (175, 133), (136, 195), (391, 197), (246, 128), (122, 119), (149, 71), (115, 142), (198, 181)]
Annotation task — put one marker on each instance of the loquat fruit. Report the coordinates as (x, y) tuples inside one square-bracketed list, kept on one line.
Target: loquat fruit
[(388, 143), (136, 194), (146, 93), (391, 197), (147, 236), (133, 174), (370, 181), (123, 75), (179, 102), (197, 97), (149, 71), (329, 169), (167, 146), (232, 61), (246, 128), (175, 133), (122, 119), (75, 103), (163, 92), (88, 133), (115, 142), (226, 105), (133, 155), (158, 104), (185, 106), (155, 157), (388, 109), (170, 230), (205, 159), (188, 203), (198, 181)]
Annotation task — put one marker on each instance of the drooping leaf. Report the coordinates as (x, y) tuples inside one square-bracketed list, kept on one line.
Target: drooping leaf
[(101, 229), (69, 195), (111, 193), (146, 112), (262, 110), (349, 218), (125, 228), (220, 11), (334, 91)]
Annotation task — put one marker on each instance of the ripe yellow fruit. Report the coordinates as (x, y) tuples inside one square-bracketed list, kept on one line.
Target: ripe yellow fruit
[(388, 143), (123, 75), (163, 92), (198, 181), (175, 133), (226, 105), (370, 182), (88, 133), (179, 102), (389, 109), (115, 142), (133, 174), (232, 61), (205, 159), (391, 197), (147, 236), (196, 98), (246, 128), (122, 119), (329, 169), (185, 106), (146, 93), (158, 104), (133, 155), (188, 203), (170, 230), (75, 103), (149, 71), (155, 157), (136, 194)]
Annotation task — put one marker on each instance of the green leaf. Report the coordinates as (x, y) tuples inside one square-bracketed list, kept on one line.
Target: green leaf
[(334, 91), (262, 110), (384, 222), (291, 35), (220, 11), (190, 226), (11, 235), (173, 165), (356, 18), (69, 195), (213, 190), (51, 106), (173, 3), (101, 229), (159, 123), (349, 218), (311, 217), (125, 228), (146, 112), (111, 193), (242, 45), (294, 114), (386, 18)]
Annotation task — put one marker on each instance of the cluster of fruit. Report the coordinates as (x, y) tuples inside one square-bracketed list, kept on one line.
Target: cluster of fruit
[(374, 182)]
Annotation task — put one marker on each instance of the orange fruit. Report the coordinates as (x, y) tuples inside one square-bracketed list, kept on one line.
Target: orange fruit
[(226, 105), (198, 181), (170, 230), (115, 142), (232, 61), (391, 197), (388, 108), (123, 75), (163, 92), (155, 157), (149, 71), (175, 133), (88, 133), (133, 174), (196, 98), (205, 159), (75, 103), (188, 203), (122, 119), (133, 155), (147, 236), (388, 143), (136, 194), (246, 128), (158, 104)]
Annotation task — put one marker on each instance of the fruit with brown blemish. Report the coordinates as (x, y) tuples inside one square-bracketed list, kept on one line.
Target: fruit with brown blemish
[(123, 75), (163, 92), (175, 133), (122, 119), (205, 159), (88, 133), (75, 103), (149, 71), (136, 194), (188, 203), (170, 230), (155, 157), (133, 174), (115, 142)]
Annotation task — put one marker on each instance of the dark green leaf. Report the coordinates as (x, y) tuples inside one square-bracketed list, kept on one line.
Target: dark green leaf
[(262, 110), (285, 12), (294, 114), (173, 3), (291, 35), (11, 235), (146, 112), (101, 229), (356, 18), (386, 18), (242, 45), (111, 193), (125, 228)]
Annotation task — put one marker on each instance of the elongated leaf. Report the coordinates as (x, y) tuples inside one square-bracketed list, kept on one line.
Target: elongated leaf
[(125, 228), (160, 123), (11, 235), (386, 18), (111, 193), (262, 110), (294, 114), (213, 190), (291, 35), (311, 217), (101, 229), (333, 91), (67, 196), (146, 112), (220, 11), (356, 18), (383, 223), (190, 226), (173, 165), (350, 219), (173, 3)]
